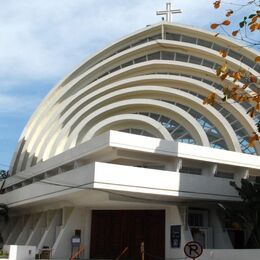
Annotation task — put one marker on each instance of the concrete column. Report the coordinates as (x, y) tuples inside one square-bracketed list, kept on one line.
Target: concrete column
[(210, 170), (38, 231), (174, 165), (15, 231), (172, 217), (48, 237), (27, 229), (242, 173), (62, 245), (87, 233), (8, 227)]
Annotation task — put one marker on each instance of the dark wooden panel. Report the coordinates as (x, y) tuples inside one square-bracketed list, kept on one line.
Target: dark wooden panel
[(113, 230)]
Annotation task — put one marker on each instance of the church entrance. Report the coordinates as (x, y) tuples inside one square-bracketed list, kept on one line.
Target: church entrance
[(114, 230)]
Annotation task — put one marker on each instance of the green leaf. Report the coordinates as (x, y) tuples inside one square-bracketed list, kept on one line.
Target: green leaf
[(233, 184), (242, 24), (251, 16)]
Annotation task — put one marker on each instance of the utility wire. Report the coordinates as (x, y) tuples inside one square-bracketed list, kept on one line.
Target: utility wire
[(80, 187), (5, 165)]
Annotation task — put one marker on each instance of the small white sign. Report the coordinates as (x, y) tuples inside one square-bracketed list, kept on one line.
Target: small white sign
[(75, 240)]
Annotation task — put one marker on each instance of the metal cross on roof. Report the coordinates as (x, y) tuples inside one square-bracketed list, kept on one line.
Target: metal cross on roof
[(169, 12)]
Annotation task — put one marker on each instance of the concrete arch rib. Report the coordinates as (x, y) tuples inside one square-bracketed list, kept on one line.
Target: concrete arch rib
[(169, 81), (182, 66), (40, 129), (127, 121), (160, 45), (157, 29), (184, 98), (155, 92), (132, 106), (151, 66)]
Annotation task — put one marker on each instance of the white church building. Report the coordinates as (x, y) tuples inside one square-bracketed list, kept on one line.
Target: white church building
[(123, 151)]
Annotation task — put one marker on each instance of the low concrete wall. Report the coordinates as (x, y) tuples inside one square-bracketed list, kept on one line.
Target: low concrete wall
[(20, 252), (230, 254)]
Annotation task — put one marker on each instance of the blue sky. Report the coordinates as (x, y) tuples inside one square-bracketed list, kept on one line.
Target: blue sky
[(43, 40)]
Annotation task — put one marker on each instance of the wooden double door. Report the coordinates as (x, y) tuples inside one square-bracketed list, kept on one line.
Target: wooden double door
[(114, 230)]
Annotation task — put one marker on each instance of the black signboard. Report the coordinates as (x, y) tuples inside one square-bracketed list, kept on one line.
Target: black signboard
[(175, 236), (75, 241)]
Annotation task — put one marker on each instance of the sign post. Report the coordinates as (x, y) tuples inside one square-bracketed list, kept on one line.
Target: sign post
[(142, 250), (75, 244), (193, 249)]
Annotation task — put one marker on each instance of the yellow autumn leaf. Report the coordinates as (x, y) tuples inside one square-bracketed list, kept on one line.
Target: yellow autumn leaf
[(252, 139), (217, 4), (223, 53), (256, 98), (253, 27), (229, 13), (234, 33), (226, 22), (236, 75), (253, 78), (254, 19), (224, 67), (214, 26), (210, 99), (251, 112), (218, 71), (224, 76)]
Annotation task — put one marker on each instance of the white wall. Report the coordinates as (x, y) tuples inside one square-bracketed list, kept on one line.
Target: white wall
[(230, 254), (76, 220), (173, 217), (22, 252), (220, 236)]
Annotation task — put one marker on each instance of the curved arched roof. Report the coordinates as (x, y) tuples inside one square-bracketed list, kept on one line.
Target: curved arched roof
[(153, 80)]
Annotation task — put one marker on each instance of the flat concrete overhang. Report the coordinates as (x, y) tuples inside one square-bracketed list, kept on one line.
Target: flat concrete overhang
[(87, 167), (125, 180)]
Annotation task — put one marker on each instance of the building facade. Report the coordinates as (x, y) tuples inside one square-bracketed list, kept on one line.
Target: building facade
[(123, 151)]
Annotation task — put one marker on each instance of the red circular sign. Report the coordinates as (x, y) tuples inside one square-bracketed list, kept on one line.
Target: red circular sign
[(193, 249)]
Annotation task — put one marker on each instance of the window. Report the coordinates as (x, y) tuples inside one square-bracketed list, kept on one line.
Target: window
[(190, 170), (226, 175), (168, 55), (248, 62), (173, 36), (154, 56), (234, 55), (181, 57), (129, 63), (195, 60), (207, 63), (140, 59), (195, 219), (204, 43), (188, 39)]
